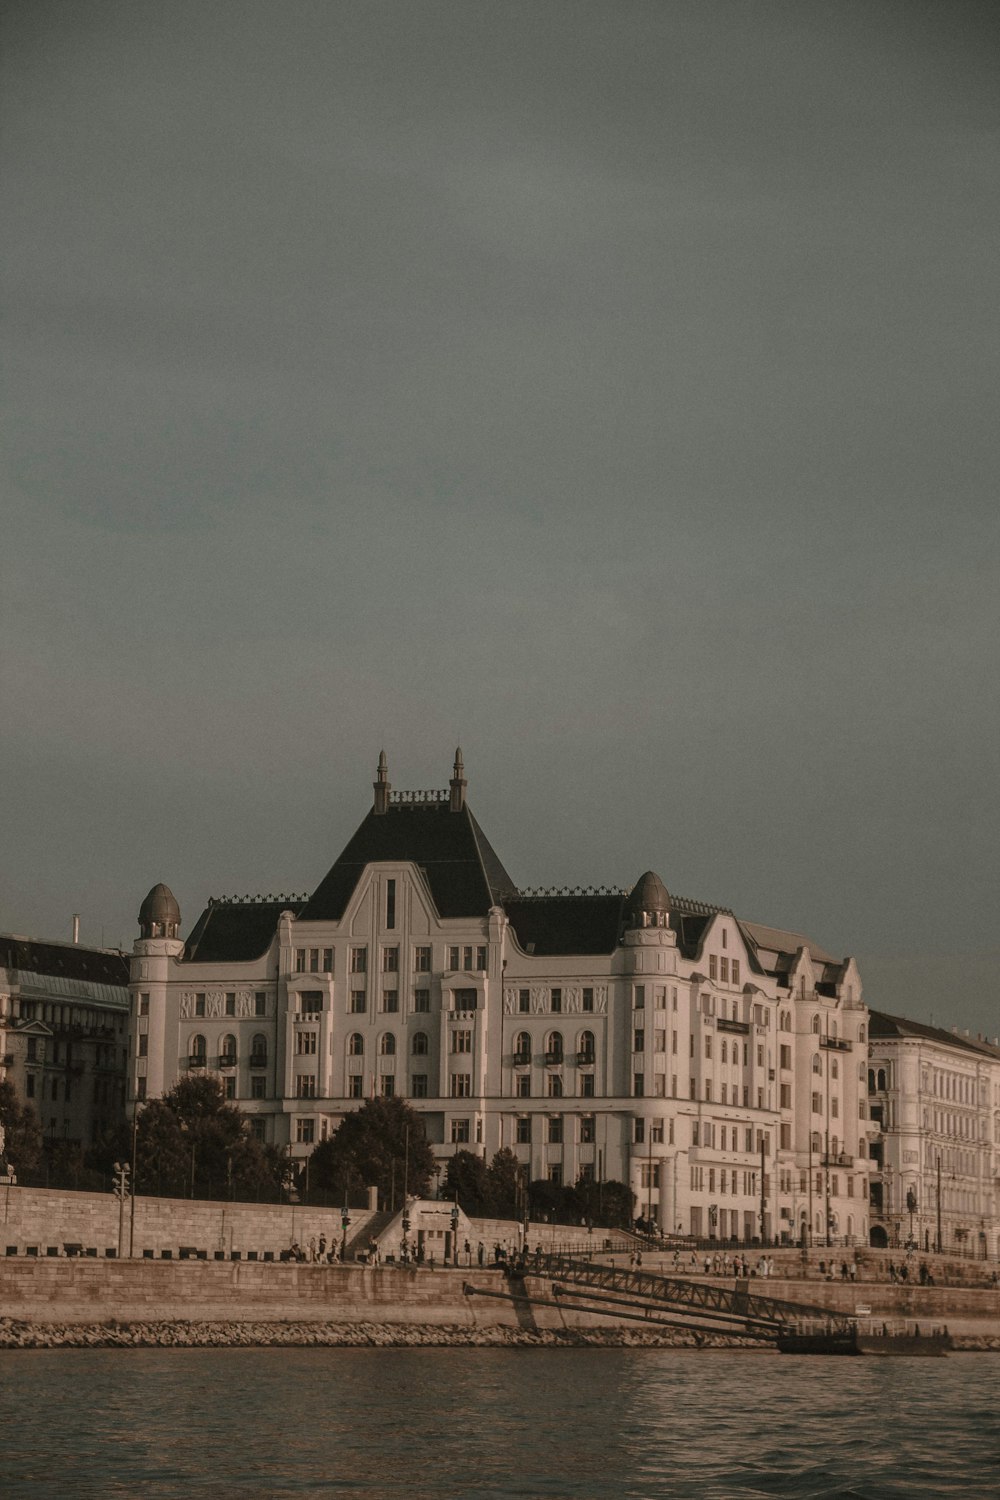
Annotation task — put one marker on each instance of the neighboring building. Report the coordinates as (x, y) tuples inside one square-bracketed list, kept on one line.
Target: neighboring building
[(64, 1014), (936, 1096), (715, 1065)]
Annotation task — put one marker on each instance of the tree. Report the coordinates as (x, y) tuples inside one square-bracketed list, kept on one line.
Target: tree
[(504, 1185), (467, 1179), (22, 1136), (368, 1149), (193, 1143), (609, 1204)]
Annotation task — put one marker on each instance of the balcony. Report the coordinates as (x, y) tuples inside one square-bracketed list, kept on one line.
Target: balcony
[(197, 1060), (835, 1043), (741, 1028), (836, 1159), (586, 1059), (522, 1059), (554, 1058), (227, 1059)]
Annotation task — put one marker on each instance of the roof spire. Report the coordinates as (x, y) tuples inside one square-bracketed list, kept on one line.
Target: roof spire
[(458, 783), (381, 785)]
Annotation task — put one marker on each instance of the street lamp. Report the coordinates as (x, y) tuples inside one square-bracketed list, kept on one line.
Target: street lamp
[(911, 1208), (121, 1192)]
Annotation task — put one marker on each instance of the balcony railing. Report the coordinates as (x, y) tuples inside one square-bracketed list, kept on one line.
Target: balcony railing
[(197, 1060), (836, 1043), (522, 1059), (586, 1059), (742, 1028), (836, 1159), (553, 1059), (227, 1059)]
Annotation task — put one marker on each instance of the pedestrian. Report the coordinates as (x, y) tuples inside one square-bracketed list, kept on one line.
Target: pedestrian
[(322, 1247), (468, 1253), (843, 1270), (312, 1249), (481, 1252)]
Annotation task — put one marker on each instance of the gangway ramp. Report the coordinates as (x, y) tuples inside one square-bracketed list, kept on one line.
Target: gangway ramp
[(632, 1294)]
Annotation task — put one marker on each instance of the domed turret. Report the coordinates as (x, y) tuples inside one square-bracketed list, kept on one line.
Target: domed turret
[(648, 904), (159, 914)]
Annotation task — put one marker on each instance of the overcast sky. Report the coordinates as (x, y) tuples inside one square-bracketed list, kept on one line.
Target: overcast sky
[(608, 387)]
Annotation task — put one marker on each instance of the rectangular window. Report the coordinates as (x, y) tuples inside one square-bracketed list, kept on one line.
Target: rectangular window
[(311, 1002), (555, 1130), (140, 1088), (523, 1136), (355, 1086), (587, 1085), (390, 905), (523, 1086), (713, 967), (305, 1086), (461, 1085), (817, 1104), (834, 1108), (260, 1003), (144, 1005), (638, 1041), (724, 970), (300, 960), (199, 1005), (305, 1042), (556, 1002), (453, 957), (554, 1086), (785, 1137), (461, 1041), (327, 960), (421, 1000), (422, 960), (460, 1132), (314, 960), (639, 997), (587, 1135), (390, 1001), (639, 1132), (481, 957), (358, 1002), (387, 1086), (735, 969), (359, 960), (230, 1086), (29, 1085), (418, 1085), (305, 1132), (524, 1001), (258, 1086), (659, 1041), (143, 1044), (785, 1058), (786, 1096), (390, 960), (465, 1000), (467, 957), (708, 1046), (588, 999), (638, 1085)]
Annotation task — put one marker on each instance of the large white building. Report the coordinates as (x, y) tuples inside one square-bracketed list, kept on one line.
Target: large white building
[(935, 1096), (716, 1066)]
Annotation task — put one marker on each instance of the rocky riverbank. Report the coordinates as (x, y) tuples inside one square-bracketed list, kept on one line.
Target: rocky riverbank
[(15, 1334)]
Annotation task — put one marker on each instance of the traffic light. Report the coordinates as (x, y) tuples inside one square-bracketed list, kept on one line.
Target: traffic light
[(345, 1220), (406, 1223)]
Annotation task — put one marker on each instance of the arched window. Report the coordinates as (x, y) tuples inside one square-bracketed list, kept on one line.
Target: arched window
[(356, 1044), (227, 1052), (861, 1033), (554, 1047), (881, 1078), (817, 1065), (387, 1046), (587, 1048), (834, 1145), (522, 1049), (871, 1080), (197, 1052), (816, 1025), (834, 1071), (833, 1028), (258, 1050), (420, 1044)]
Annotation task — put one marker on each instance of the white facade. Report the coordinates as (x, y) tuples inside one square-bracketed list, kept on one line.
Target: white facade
[(936, 1097), (716, 1066)]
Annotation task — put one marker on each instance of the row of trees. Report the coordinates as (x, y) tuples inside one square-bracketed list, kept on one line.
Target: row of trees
[(192, 1143)]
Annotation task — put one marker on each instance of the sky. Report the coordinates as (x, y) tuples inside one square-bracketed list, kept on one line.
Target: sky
[(609, 388)]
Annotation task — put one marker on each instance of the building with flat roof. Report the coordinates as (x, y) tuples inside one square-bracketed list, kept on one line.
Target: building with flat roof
[(935, 1098), (716, 1065)]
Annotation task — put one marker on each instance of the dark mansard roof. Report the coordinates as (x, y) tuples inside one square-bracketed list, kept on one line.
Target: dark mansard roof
[(64, 960), (881, 1024), (236, 931)]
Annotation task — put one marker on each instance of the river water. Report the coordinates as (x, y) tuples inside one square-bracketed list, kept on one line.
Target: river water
[(424, 1424)]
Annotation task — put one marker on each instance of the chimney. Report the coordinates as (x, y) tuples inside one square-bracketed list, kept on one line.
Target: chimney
[(458, 784), (76, 927)]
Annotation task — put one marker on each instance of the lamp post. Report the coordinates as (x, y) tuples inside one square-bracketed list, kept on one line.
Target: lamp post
[(911, 1208), (938, 1197), (121, 1192)]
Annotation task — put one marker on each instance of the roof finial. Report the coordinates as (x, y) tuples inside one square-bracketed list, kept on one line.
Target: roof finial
[(458, 783), (381, 785)]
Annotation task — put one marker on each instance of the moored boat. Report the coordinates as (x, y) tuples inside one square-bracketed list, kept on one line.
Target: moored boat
[(871, 1336)]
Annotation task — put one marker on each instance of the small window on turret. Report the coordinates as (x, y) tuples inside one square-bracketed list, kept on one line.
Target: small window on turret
[(144, 1005)]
